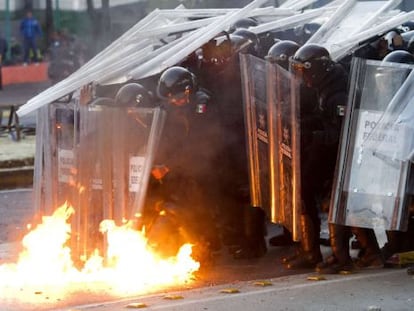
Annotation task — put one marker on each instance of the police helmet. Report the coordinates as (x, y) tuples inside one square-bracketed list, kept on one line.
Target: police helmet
[(407, 26), (395, 40), (245, 23), (312, 62), (223, 49), (242, 44), (217, 51), (303, 33), (281, 52), (249, 35), (267, 40), (133, 94), (176, 82), (382, 75), (410, 45), (399, 56)]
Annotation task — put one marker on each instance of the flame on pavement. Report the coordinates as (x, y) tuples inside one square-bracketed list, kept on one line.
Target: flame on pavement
[(129, 265)]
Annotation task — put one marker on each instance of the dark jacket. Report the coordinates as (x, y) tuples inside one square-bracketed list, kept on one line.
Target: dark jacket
[(190, 139), (333, 95)]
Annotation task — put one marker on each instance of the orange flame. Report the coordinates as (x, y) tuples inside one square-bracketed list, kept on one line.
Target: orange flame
[(130, 266)]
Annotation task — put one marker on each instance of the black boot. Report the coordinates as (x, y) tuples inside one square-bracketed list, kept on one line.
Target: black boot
[(254, 242), (311, 252), (340, 261), (393, 245), (285, 239), (372, 257), (297, 253)]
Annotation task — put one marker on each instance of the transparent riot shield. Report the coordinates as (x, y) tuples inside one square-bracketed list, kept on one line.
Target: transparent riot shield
[(253, 72), (284, 120), (55, 167), (114, 159), (371, 185), (98, 158), (273, 130)]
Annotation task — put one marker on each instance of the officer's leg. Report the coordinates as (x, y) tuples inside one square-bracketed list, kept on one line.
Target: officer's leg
[(394, 243), (253, 244), (401, 241), (251, 227), (313, 176), (285, 239), (340, 260), (245, 226), (372, 256), (311, 253)]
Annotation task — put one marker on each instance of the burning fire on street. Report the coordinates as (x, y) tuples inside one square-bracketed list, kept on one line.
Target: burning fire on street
[(129, 266)]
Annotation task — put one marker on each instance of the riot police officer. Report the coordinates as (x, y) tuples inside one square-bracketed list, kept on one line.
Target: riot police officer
[(64, 58), (134, 94), (399, 56), (188, 157), (399, 241), (243, 224), (318, 71), (370, 254), (280, 53), (256, 45), (244, 23), (313, 64), (306, 31), (395, 41)]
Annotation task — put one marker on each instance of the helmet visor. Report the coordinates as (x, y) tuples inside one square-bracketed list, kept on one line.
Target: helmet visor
[(279, 59)]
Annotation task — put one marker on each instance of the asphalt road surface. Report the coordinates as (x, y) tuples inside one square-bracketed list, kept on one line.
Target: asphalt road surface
[(229, 284)]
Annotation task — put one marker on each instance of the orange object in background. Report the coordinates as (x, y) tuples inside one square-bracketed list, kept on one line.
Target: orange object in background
[(24, 74)]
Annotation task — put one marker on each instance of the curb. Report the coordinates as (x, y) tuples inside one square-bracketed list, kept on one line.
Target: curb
[(16, 177), (16, 163), (17, 74)]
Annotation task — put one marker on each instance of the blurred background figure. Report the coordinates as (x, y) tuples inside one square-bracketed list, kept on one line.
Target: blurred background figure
[(3, 51), (64, 57), (30, 30)]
